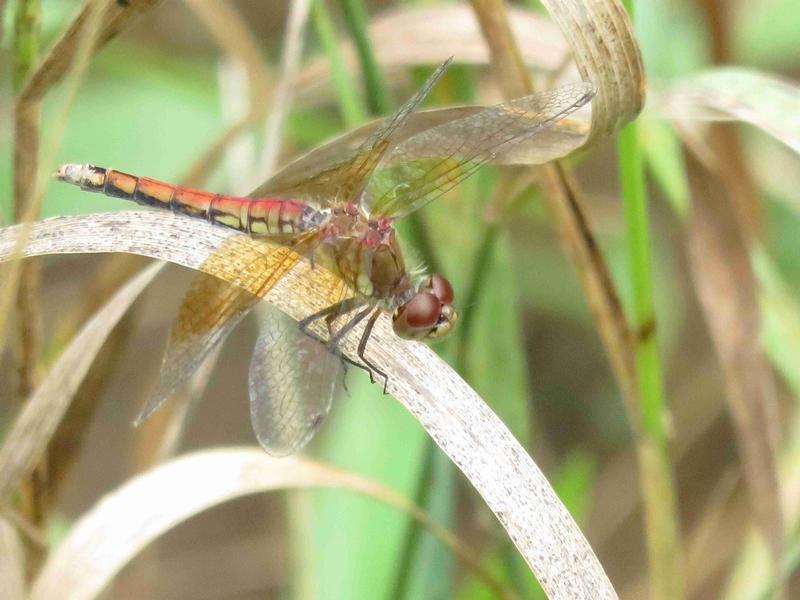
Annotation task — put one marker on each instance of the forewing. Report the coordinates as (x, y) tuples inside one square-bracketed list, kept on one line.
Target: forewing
[(428, 164), (345, 147), (212, 307), (316, 179), (209, 312), (293, 379)]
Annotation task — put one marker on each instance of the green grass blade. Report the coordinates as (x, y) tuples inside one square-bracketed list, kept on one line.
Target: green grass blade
[(350, 105), (380, 101), (661, 515), (661, 507)]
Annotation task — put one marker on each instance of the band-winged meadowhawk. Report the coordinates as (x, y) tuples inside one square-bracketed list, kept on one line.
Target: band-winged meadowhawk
[(336, 206)]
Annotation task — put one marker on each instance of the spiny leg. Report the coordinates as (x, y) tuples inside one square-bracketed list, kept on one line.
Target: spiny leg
[(333, 343), (362, 347), (330, 313), (348, 327)]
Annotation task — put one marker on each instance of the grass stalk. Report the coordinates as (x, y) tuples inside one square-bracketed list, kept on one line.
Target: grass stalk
[(661, 519), (380, 102), (66, 59), (27, 27), (479, 275), (351, 106), (27, 117), (658, 488), (638, 242), (638, 368), (412, 540), (413, 228), (378, 96)]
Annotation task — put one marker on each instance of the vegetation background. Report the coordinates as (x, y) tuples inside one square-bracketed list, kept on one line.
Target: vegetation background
[(162, 93)]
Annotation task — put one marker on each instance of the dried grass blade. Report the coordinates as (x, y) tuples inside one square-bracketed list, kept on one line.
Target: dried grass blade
[(232, 34), (229, 30), (593, 29), (125, 521), (736, 94), (67, 443), (96, 23), (36, 424), (12, 565), (457, 419), (413, 35), (290, 66), (28, 313), (114, 18), (728, 294), (606, 52)]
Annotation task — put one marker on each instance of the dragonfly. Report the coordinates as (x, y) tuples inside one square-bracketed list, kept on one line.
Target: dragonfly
[(337, 207)]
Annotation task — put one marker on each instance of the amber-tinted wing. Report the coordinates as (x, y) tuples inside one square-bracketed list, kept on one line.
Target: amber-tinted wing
[(213, 307), (428, 164), (324, 176)]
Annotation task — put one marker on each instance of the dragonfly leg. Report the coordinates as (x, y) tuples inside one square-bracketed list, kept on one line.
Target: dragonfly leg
[(330, 313), (344, 376), (362, 347), (333, 343), (348, 327), (336, 352)]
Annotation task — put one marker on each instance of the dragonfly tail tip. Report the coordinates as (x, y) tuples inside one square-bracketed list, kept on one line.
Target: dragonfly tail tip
[(69, 172)]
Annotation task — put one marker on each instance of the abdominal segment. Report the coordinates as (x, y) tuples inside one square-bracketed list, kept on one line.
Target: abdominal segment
[(269, 217)]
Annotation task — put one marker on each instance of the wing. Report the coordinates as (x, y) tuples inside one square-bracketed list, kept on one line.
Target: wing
[(321, 179), (212, 306), (428, 164), (293, 379)]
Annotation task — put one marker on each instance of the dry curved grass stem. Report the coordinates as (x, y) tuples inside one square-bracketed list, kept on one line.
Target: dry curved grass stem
[(112, 533), (456, 418)]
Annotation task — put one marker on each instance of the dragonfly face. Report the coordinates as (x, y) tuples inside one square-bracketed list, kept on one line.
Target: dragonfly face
[(429, 314)]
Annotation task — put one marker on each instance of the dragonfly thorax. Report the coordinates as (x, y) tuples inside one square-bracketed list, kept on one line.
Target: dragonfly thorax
[(367, 255)]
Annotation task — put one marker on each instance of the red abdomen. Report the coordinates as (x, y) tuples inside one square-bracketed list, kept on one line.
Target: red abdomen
[(256, 216)]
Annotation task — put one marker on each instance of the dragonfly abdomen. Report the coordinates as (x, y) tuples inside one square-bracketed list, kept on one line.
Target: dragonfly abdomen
[(267, 217), (278, 216)]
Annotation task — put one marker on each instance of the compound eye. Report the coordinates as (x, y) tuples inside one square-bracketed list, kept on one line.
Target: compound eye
[(422, 311), (442, 289)]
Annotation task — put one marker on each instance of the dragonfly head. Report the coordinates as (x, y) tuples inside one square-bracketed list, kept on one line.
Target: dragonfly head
[(429, 313)]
